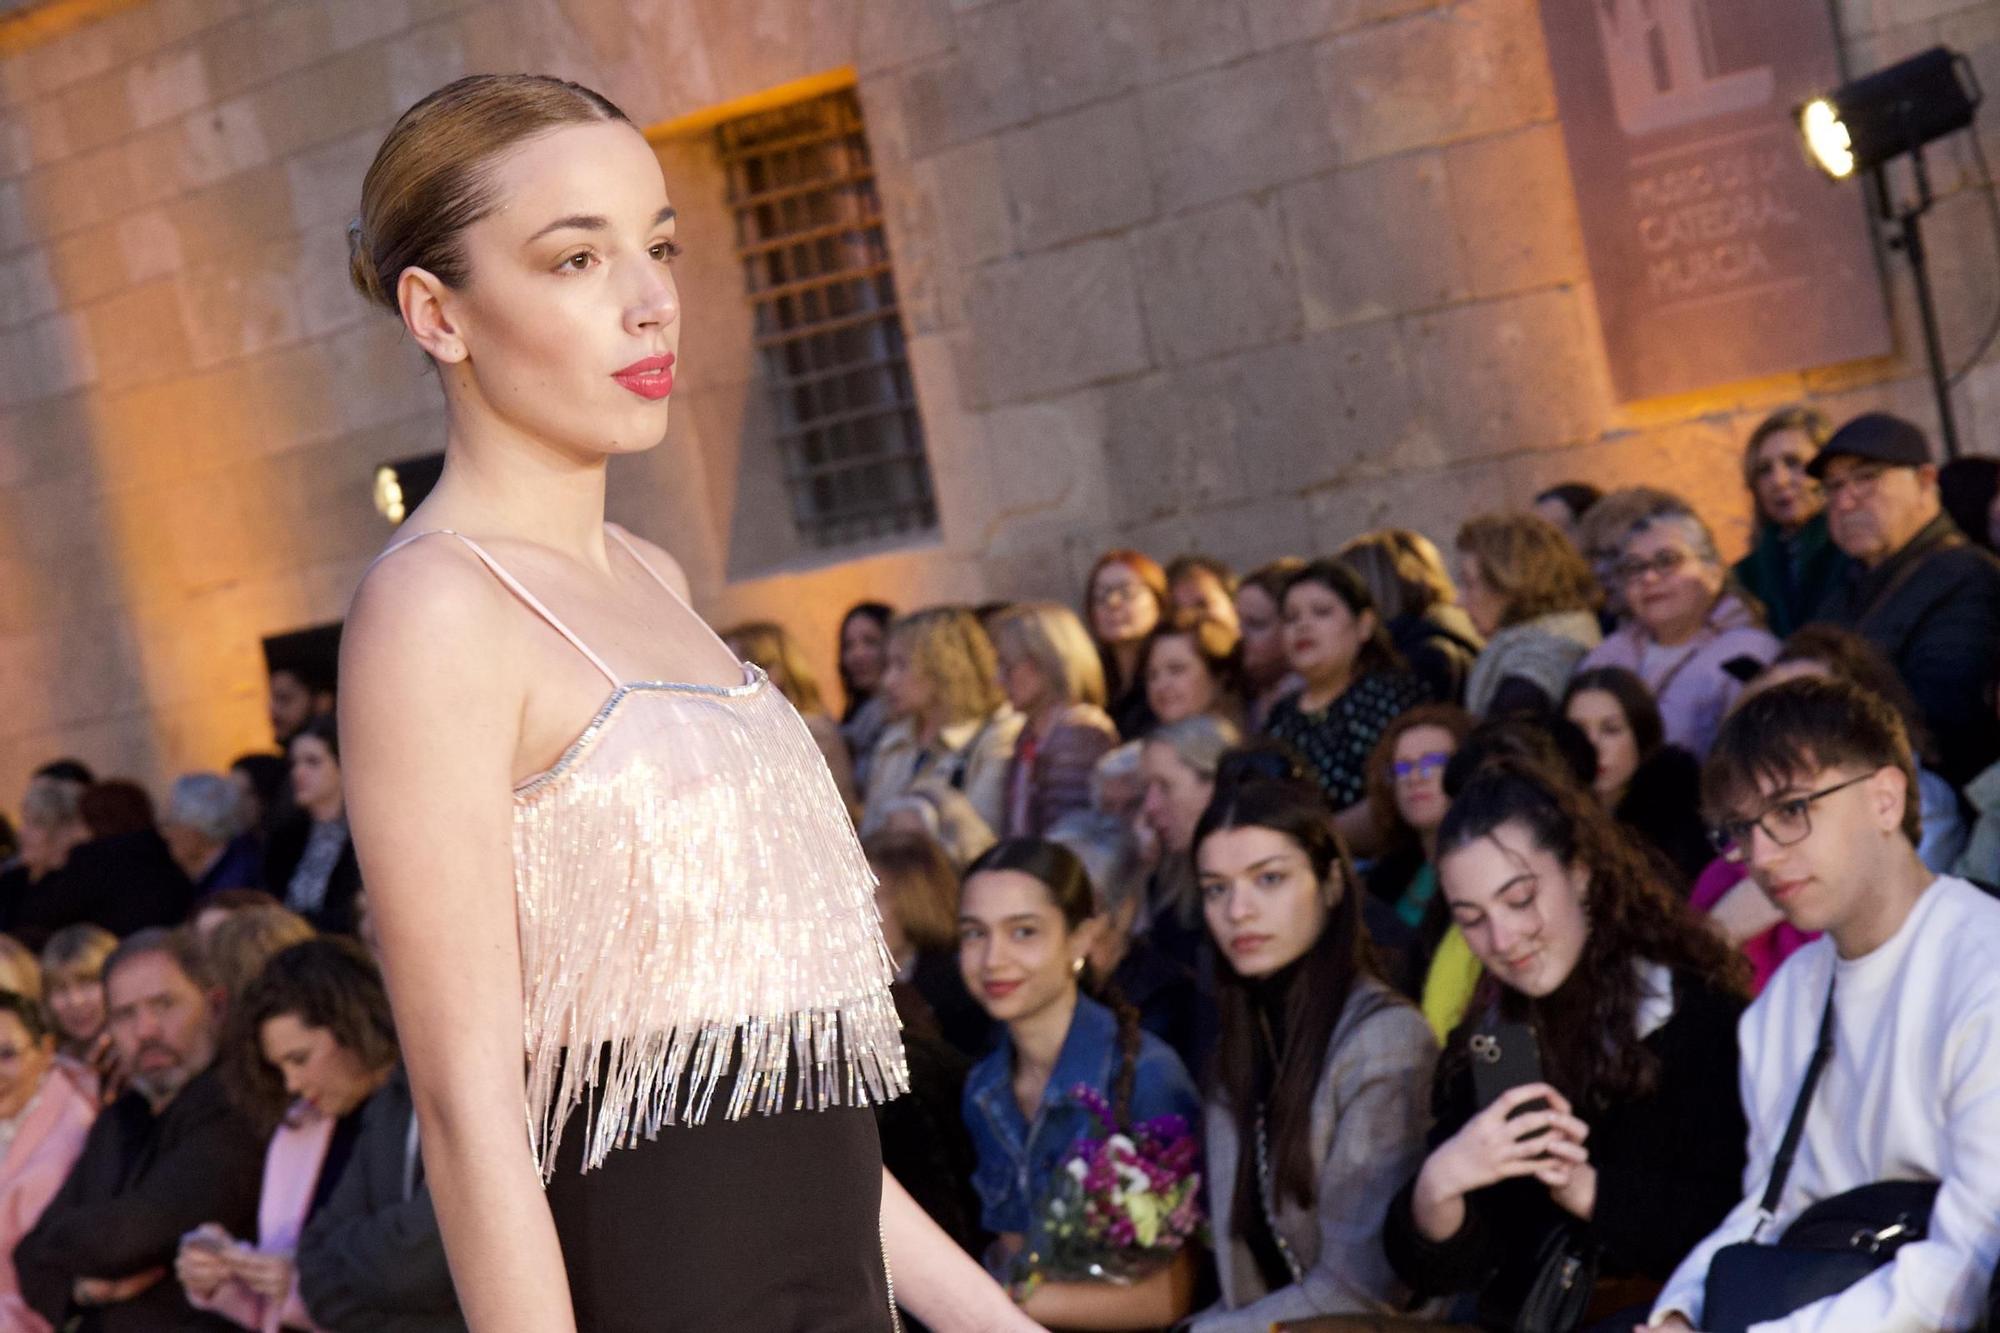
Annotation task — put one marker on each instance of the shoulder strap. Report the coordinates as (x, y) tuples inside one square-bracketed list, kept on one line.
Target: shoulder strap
[(619, 536), (1788, 1148), (514, 586)]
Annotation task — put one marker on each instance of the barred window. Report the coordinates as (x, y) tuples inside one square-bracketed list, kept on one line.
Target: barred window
[(816, 268)]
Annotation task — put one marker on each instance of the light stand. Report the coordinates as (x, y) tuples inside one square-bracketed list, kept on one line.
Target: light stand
[(1870, 123), (1908, 237)]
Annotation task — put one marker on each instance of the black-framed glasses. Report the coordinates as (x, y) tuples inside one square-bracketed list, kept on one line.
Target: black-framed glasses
[(1785, 822)]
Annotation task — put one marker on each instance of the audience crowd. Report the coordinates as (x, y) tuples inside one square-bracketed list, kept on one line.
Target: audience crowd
[(1528, 936)]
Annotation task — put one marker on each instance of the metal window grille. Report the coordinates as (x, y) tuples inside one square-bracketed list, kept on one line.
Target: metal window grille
[(817, 272)]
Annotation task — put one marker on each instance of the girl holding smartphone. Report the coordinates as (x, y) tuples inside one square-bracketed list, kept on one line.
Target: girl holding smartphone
[(1634, 1137)]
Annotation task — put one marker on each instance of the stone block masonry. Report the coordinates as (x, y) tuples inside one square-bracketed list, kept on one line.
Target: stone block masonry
[(1246, 276)]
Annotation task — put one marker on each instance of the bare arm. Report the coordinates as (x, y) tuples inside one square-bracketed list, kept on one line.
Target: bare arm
[(429, 720), (937, 1281)]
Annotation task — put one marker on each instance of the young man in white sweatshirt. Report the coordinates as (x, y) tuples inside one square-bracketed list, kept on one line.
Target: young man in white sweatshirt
[(1811, 785)]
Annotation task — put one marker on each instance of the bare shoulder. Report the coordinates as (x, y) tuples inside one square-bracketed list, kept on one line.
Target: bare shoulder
[(657, 556), (426, 606)]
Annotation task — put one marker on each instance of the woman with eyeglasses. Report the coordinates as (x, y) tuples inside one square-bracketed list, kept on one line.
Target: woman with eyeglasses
[(1690, 636), (1123, 599), (1407, 797), (1630, 1145), (1794, 561)]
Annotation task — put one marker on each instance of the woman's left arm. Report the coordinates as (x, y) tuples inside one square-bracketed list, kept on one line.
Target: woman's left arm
[(936, 1280)]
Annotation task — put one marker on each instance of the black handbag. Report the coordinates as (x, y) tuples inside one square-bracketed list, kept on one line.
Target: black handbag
[(1555, 1289), (1829, 1247)]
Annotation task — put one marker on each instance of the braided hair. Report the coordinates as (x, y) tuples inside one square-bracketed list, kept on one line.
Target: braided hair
[(1061, 872)]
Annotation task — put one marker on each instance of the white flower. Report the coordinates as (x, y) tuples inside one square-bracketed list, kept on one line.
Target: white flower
[(1078, 1170)]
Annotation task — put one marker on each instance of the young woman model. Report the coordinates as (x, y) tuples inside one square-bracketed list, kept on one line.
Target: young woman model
[(1027, 919), (601, 852), (1318, 1117), (1634, 1009)]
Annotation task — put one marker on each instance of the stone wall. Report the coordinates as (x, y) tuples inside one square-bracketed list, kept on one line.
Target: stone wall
[(1246, 276)]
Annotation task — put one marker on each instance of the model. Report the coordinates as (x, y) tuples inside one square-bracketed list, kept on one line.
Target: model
[(613, 879)]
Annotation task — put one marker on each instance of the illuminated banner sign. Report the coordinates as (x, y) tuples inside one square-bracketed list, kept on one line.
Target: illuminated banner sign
[(1716, 251)]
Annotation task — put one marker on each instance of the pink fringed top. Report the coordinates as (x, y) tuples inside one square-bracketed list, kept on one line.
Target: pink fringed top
[(693, 903)]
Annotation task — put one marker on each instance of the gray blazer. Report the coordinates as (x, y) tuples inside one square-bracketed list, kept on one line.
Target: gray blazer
[(1370, 1114)]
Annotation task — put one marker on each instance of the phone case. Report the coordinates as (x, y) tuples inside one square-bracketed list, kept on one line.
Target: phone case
[(1505, 1056)]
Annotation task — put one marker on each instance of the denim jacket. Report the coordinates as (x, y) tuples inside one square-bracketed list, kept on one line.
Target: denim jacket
[(1018, 1161)]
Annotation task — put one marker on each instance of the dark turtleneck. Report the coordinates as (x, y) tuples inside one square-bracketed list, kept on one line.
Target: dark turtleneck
[(1269, 1001)]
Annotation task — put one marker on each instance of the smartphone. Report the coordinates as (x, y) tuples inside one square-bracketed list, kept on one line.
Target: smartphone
[(1505, 1056)]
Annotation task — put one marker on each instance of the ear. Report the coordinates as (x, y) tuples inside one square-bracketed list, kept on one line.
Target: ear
[(1366, 624), (1888, 796), (422, 297), (1084, 938), (1123, 916)]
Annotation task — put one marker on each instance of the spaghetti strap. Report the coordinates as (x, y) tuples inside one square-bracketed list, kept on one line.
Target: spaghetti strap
[(644, 563), (673, 592), (514, 586)]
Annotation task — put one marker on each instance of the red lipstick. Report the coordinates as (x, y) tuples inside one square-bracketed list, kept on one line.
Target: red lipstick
[(650, 378)]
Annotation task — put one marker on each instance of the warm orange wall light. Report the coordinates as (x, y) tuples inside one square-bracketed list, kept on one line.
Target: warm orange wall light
[(798, 90), (53, 18)]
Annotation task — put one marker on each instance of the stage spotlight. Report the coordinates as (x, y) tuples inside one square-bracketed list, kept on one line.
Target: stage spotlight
[(1872, 122), (1890, 112)]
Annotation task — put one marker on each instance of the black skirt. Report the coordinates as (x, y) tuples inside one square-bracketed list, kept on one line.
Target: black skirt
[(772, 1222)]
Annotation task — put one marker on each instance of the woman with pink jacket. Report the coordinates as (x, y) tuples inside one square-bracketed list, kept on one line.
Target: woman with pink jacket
[(44, 1118), (1692, 637), (313, 1030)]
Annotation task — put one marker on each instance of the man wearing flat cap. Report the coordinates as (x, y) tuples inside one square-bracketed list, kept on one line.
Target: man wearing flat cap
[(1920, 592)]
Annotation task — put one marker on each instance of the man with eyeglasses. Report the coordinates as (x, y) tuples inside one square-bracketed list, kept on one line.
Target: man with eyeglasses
[(1922, 593), (1811, 786)]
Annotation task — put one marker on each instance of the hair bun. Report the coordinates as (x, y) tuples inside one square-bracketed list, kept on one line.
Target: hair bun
[(361, 266)]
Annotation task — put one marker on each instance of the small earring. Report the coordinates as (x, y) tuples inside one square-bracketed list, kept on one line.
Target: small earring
[(1077, 967)]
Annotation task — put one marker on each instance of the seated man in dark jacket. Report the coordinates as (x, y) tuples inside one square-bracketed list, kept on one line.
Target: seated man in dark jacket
[(170, 1154), (371, 1259), (1922, 593)]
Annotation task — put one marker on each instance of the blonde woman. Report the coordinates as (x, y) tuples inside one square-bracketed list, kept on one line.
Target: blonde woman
[(1053, 678), (950, 717), (767, 646)]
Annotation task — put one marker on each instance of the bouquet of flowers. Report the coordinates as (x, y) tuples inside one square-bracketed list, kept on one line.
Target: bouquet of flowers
[(1125, 1203)]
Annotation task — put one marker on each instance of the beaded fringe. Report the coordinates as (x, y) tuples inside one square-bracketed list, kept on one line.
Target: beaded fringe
[(695, 907)]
